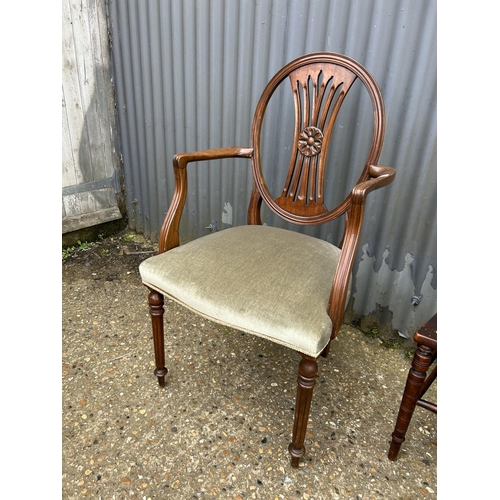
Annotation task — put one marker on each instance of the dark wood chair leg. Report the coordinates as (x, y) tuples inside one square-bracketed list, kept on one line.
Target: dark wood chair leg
[(156, 310), (428, 381), (413, 390), (308, 368), (326, 350)]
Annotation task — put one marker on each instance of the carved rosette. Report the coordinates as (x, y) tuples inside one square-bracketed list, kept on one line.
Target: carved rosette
[(310, 141)]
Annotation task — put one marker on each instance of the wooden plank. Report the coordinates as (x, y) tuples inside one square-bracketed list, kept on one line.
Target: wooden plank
[(89, 207), (83, 221), (73, 105), (101, 96), (69, 175), (87, 116)]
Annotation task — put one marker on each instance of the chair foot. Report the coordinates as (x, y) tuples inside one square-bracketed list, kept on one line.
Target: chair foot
[(308, 369), (162, 375), (156, 311), (395, 447), (296, 455)]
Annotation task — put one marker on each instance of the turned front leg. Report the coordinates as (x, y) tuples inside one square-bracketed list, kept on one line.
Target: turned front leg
[(413, 390), (308, 368), (156, 310)]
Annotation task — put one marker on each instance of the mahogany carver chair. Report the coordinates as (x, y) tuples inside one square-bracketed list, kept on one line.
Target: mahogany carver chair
[(279, 284)]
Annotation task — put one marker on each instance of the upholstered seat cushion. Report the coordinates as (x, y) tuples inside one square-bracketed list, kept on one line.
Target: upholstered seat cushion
[(267, 281)]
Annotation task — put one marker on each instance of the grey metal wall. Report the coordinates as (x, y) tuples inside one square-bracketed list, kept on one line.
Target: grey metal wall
[(188, 77)]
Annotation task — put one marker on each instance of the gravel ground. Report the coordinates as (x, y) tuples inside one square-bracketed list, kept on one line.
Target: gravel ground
[(221, 426)]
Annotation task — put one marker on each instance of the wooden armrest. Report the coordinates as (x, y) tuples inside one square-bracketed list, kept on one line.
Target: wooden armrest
[(182, 159), (380, 175), (169, 235)]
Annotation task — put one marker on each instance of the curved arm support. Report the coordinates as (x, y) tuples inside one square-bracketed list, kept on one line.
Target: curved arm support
[(169, 235), (380, 176)]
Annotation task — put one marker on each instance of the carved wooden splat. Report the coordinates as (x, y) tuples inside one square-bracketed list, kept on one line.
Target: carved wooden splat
[(318, 92)]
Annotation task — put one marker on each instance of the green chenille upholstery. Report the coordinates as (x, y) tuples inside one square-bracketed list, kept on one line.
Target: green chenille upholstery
[(266, 281)]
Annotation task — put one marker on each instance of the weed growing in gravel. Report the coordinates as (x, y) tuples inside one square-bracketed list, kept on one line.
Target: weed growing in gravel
[(67, 252)]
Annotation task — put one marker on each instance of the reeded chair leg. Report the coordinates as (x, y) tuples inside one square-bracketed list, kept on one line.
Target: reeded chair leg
[(156, 310), (308, 369), (413, 391)]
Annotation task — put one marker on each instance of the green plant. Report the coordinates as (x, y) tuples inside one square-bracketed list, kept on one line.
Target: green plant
[(105, 251), (390, 344), (373, 333), (66, 253), (84, 245), (409, 353)]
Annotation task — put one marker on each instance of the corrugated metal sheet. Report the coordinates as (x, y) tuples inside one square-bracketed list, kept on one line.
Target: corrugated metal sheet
[(189, 75)]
